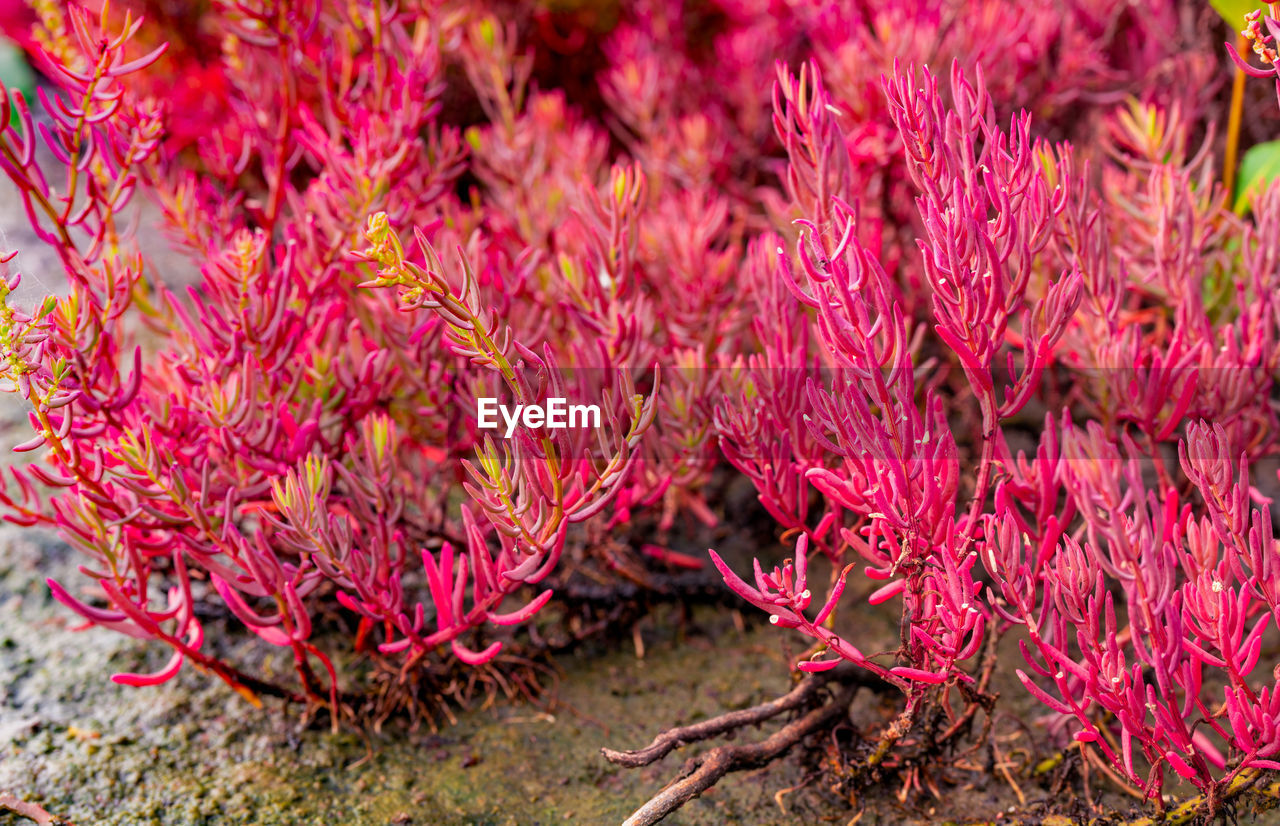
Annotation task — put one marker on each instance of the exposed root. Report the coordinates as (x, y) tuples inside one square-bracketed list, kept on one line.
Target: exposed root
[(702, 772), (1248, 786), (1247, 783), (429, 693), (798, 697)]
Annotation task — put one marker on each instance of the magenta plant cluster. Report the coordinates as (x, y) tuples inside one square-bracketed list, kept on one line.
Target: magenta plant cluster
[(856, 251)]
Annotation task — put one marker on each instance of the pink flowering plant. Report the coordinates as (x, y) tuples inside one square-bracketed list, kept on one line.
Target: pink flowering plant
[(1140, 591), (993, 343), (286, 435)]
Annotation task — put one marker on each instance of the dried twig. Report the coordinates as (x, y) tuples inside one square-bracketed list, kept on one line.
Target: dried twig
[(798, 697), (702, 772), (22, 808)]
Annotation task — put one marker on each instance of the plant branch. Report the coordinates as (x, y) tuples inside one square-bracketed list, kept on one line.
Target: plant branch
[(22, 808), (1230, 162), (798, 697), (702, 772)]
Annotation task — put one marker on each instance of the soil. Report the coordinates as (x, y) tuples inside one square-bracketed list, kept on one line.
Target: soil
[(192, 752)]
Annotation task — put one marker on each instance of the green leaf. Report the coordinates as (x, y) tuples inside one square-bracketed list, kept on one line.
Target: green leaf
[(1233, 11), (15, 73), (1261, 164)]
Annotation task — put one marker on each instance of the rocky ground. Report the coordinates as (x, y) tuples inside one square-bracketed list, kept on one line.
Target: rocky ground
[(192, 752)]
